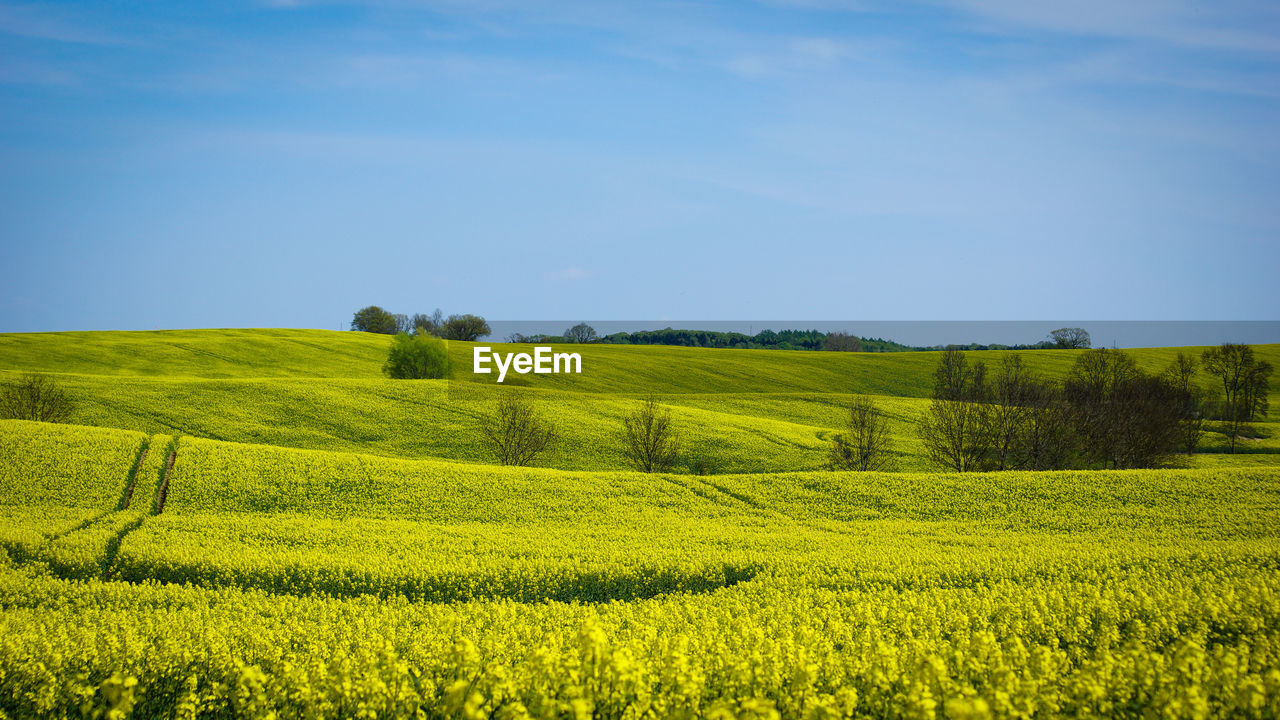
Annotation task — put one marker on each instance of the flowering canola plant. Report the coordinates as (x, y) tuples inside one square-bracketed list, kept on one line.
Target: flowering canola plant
[(288, 583)]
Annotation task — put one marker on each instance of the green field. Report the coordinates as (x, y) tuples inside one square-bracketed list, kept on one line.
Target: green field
[(746, 410), (336, 544)]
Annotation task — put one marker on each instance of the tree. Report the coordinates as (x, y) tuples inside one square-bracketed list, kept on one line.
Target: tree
[(841, 341), (35, 397), (1181, 375), (427, 323), (649, 442), (514, 432), (1048, 440), (1124, 418), (467, 328), (1088, 391), (403, 324), (581, 333), (864, 446), (956, 379), (1256, 387), (416, 357), (1245, 382), (1072, 338), (956, 430), (1012, 395), (375, 320)]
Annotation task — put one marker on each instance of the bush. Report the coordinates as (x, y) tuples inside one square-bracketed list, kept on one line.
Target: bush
[(35, 397), (649, 442), (514, 432), (417, 357)]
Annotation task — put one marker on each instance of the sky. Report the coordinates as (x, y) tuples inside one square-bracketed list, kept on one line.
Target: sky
[(282, 164)]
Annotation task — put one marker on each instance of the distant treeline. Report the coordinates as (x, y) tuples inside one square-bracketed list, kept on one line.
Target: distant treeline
[(472, 327), (784, 340), (765, 339)]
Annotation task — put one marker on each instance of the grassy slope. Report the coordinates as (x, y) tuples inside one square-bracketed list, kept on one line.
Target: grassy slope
[(748, 410), (608, 368)]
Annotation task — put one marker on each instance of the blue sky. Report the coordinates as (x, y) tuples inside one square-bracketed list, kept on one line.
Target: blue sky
[(285, 163)]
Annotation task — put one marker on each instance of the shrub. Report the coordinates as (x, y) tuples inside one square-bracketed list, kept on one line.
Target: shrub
[(649, 442), (417, 357), (514, 432)]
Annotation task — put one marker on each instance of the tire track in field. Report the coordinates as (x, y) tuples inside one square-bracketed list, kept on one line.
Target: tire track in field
[(113, 545), (715, 493), (163, 493), (124, 501), (133, 474)]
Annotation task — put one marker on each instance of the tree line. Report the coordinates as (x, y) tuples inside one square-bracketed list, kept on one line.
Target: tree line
[(465, 327), (468, 327), (837, 341), (1107, 413)]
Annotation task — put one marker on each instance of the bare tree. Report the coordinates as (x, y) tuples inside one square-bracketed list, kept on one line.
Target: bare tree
[(864, 446), (1124, 417), (1245, 382), (956, 434), (427, 323), (841, 341), (649, 441), (1181, 375), (1256, 387), (1072, 338), (1012, 394), (1048, 440), (514, 432), (35, 397), (956, 379), (956, 431)]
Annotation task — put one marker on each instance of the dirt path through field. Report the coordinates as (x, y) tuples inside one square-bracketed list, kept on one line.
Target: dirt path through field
[(164, 483)]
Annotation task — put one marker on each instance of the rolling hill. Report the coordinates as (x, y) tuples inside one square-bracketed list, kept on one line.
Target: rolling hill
[(739, 410)]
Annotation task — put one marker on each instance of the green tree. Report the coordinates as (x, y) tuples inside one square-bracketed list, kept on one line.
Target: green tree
[(375, 320), (1072, 338), (467, 328), (581, 333), (417, 357)]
